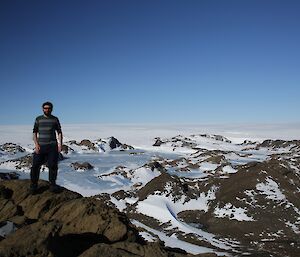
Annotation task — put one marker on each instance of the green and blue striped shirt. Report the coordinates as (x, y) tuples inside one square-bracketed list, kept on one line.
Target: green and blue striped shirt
[(46, 127)]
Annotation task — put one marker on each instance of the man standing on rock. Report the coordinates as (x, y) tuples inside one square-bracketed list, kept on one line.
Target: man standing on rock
[(47, 148)]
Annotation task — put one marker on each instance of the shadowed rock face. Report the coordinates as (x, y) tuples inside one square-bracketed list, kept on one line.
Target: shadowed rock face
[(67, 224)]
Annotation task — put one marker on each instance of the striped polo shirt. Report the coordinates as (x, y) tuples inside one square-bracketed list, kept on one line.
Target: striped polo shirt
[(46, 127)]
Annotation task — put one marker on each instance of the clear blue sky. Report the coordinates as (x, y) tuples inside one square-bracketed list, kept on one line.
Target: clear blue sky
[(197, 61)]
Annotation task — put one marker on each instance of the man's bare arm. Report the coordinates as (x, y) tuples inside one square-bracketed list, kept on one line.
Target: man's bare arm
[(60, 141), (36, 143)]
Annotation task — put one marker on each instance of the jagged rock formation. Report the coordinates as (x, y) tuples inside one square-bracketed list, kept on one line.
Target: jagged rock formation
[(67, 224)]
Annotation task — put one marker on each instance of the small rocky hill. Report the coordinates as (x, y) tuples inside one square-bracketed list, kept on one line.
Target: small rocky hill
[(67, 224)]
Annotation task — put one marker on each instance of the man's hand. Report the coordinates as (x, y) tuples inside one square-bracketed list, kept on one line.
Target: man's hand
[(37, 149), (59, 148)]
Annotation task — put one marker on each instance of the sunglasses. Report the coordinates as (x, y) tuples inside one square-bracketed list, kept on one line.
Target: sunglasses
[(47, 108)]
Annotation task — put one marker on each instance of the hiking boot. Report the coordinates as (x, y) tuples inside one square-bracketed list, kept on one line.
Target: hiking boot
[(33, 189), (54, 188)]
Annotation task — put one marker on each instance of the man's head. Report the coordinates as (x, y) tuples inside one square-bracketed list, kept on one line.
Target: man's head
[(47, 108)]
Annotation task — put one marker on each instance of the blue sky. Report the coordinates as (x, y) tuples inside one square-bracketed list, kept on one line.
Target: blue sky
[(140, 61)]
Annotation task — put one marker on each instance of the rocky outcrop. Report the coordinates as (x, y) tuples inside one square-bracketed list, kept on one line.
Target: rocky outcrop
[(85, 144), (99, 145), (88, 144), (82, 166), (12, 148), (114, 143), (215, 137), (280, 144), (66, 149), (67, 224), (158, 142)]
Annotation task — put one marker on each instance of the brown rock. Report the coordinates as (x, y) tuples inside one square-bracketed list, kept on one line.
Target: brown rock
[(82, 166), (88, 144), (66, 149)]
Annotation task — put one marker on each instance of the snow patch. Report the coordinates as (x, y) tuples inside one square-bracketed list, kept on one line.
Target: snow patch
[(172, 241), (232, 212), (229, 169), (271, 189)]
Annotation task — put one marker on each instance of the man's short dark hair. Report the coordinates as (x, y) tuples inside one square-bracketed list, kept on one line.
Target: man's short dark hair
[(49, 104)]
